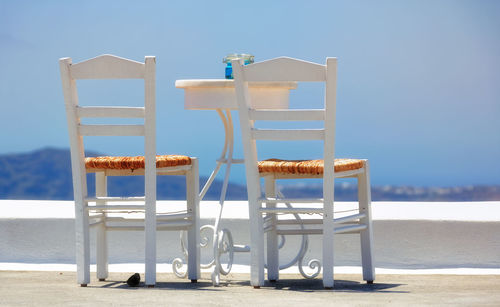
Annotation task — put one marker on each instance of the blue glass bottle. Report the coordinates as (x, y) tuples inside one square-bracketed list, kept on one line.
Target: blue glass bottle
[(247, 59), (229, 71)]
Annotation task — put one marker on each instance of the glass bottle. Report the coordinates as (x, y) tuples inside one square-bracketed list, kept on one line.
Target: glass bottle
[(247, 59)]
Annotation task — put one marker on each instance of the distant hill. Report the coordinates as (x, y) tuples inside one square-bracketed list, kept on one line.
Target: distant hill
[(46, 174), (403, 193)]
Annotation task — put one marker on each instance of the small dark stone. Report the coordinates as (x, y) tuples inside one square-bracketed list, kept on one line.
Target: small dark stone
[(134, 280)]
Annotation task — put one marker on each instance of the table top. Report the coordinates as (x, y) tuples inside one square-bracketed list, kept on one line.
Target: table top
[(212, 94), (228, 83)]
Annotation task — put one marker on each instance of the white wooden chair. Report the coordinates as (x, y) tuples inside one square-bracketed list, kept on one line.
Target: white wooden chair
[(264, 211), (114, 213)]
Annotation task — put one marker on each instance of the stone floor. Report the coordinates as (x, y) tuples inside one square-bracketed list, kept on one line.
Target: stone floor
[(59, 288)]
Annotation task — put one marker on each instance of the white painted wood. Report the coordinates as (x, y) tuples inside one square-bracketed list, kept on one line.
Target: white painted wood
[(291, 115), (150, 170), (193, 201), (170, 226), (184, 225), (177, 170), (294, 210), (348, 174), (292, 232), (111, 130), (350, 229), (119, 112), (285, 70), (180, 216), (204, 98), (78, 173), (291, 200), (328, 175), (101, 191), (116, 208), (252, 175), (159, 217), (337, 221), (108, 67), (228, 83), (105, 67), (94, 222), (170, 217), (298, 222), (113, 199), (364, 195), (272, 237), (287, 134), (349, 218)]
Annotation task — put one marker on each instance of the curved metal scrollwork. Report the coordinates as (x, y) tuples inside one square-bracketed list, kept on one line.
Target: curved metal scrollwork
[(204, 243), (225, 246), (178, 263), (313, 264)]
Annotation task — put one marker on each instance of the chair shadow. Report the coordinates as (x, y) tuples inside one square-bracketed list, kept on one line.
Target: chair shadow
[(316, 285), (299, 285), (181, 285)]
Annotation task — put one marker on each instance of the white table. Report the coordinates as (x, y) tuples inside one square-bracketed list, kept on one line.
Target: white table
[(214, 94), (219, 95)]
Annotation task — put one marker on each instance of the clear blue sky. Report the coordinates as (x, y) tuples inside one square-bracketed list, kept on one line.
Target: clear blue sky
[(418, 91)]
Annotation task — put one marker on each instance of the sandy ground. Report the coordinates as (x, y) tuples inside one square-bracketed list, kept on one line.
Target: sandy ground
[(28, 288)]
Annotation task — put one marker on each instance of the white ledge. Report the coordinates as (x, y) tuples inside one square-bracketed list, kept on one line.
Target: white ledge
[(430, 211)]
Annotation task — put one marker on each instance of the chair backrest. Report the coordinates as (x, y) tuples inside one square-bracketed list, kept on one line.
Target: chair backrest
[(286, 70), (108, 67)]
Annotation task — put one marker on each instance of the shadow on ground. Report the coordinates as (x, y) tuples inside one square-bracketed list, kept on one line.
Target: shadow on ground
[(181, 285), (299, 285), (315, 285)]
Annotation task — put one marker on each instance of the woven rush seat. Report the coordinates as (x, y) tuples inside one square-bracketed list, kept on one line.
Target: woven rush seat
[(133, 163), (312, 167)]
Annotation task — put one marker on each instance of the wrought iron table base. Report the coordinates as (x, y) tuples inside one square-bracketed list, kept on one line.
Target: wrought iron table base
[(222, 242)]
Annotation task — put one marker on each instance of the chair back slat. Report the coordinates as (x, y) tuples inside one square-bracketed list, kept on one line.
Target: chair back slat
[(111, 130), (108, 67), (288, 134), (287, 115), (111, 112), (285, 69)]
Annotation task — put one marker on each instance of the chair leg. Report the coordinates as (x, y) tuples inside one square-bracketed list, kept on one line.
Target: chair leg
[(102, 250), (150, 252), (101, 235), (82, 243), (257, 251), (272, 237), (364, 195), (328, 227), (256, 238), (328, 239), (150, 226), (192, 192)]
